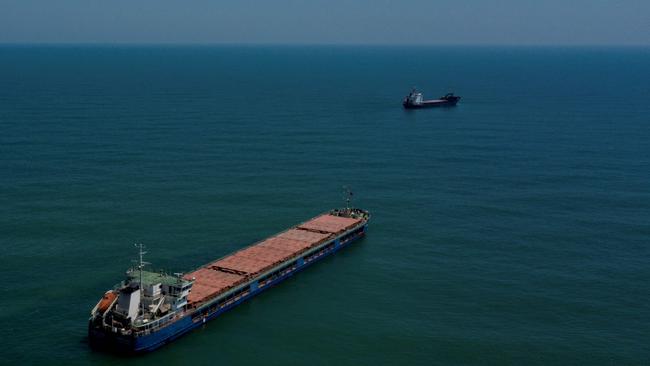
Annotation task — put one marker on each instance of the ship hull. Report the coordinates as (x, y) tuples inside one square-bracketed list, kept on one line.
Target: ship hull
[(101, 338), (431, 104)]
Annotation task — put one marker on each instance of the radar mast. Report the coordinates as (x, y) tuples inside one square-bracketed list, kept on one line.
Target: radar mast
[(347, 196), (141, 265)]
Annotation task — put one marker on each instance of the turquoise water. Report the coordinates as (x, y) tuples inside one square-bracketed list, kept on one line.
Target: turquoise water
[(512, 229)]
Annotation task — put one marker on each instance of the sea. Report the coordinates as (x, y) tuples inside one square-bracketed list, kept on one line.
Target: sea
[(512, 229)]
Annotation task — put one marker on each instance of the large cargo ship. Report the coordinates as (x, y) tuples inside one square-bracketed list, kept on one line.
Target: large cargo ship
[(415, 100), (149, 309)]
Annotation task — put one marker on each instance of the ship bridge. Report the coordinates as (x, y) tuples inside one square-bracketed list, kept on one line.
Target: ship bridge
[(158, 293)]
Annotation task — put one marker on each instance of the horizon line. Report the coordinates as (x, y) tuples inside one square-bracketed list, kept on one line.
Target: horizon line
[(326, 44)]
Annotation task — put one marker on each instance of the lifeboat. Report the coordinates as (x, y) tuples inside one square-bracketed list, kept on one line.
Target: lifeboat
[(106, 301)]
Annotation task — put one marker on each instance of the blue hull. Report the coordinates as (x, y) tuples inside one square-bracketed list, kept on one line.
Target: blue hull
[(99, 338)]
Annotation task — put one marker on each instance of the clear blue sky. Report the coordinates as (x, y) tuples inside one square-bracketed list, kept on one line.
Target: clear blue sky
[(527, 22)]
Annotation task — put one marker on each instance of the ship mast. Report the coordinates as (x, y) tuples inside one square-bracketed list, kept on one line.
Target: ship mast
[(141, 265), (347, 195)]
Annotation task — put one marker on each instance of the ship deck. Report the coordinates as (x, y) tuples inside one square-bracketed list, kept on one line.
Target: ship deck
[(226, 273)]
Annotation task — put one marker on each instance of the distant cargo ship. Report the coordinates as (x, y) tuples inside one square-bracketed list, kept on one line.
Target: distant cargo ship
[(149, 309), (415, 100)]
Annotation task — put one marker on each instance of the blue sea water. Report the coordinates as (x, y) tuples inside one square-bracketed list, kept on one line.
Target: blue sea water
[(512, 229)]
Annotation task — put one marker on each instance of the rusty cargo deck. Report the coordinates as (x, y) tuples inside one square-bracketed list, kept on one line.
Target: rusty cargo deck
[(227, 273)]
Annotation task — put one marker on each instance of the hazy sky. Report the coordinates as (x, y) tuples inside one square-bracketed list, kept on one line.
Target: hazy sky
[(533, 22)]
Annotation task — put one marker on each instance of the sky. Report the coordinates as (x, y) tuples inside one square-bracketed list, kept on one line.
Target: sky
[(447, 22)]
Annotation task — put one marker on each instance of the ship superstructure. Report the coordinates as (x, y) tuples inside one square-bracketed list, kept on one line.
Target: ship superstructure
[(149, 309)]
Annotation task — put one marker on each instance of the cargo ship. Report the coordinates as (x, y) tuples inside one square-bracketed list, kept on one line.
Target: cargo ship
[(149, 309), (415, 100)]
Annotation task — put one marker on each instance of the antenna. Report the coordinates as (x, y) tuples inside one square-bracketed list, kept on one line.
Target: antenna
[(141, 265), (347, 196)]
